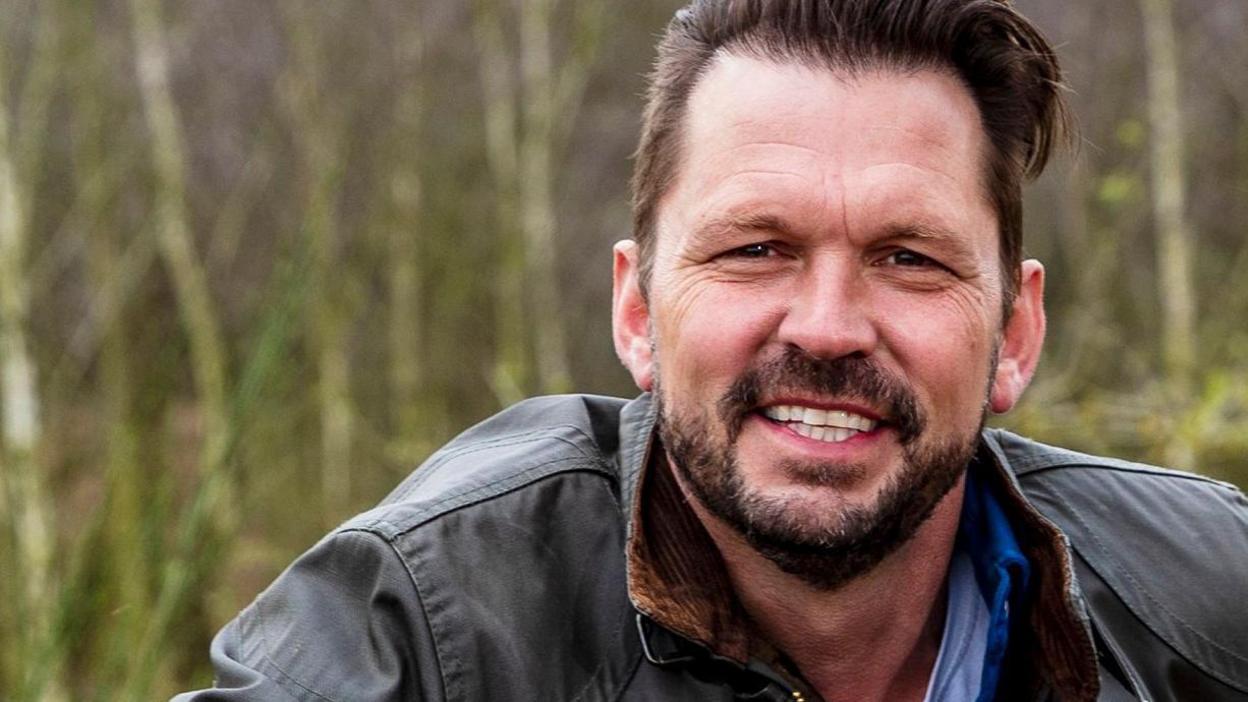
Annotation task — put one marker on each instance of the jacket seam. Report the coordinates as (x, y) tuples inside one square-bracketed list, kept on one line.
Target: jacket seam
[(620, 627), (286, 680), (1109, 558), (1029, 469), (446, 456), (437, 631), (513, 439), (483, 493), (420, 599), (1133, 682), (628, 680)]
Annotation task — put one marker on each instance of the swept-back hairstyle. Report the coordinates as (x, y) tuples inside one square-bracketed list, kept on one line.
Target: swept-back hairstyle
[(1006, 64)]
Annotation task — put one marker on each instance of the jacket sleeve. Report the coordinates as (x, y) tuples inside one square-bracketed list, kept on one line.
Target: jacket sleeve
[(344, 622)]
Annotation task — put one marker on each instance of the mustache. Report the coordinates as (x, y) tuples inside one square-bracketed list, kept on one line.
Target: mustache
[(849, 377)]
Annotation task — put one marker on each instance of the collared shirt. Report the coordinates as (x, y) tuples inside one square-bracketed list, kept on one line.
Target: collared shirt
[(958, 673), (1002, 571)]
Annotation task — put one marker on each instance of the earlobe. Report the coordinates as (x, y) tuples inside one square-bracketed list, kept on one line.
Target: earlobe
[(630, 316), (1022, 340)]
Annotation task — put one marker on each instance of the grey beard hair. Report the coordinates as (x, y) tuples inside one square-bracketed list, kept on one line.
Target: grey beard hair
[(827, 552)]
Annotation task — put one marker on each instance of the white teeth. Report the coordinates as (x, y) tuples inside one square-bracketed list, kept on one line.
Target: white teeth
[(816, 417), (819, 424)]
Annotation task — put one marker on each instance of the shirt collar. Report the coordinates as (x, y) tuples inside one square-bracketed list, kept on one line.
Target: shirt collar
[(1002, 571)]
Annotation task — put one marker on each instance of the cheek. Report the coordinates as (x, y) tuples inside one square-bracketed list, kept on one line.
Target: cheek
[(944, 347), (708, 335)]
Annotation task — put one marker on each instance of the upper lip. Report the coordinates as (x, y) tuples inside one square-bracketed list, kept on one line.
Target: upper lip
[(826, 404)]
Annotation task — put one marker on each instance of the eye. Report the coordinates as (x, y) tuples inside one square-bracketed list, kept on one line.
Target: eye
[(910, 259), (752, 251)]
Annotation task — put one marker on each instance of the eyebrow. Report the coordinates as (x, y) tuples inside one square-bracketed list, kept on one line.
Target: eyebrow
[(948, 240), (727, 224), (922, 231), (733, 223)]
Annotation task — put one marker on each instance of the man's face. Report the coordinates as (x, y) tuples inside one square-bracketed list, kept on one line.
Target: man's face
[(823, 329)]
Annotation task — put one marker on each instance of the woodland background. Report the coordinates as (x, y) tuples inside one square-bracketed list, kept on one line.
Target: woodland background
[(259, 258)]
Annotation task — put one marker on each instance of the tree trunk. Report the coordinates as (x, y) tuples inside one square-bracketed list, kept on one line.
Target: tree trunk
[(174, 237), (196, 309), (126, 513), (523, 152), (318, 123), (406, 328), (537, 198), (513, 363), (25, 507), (1174, 234)]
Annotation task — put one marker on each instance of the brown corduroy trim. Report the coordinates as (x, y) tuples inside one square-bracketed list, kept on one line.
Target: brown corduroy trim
[(676, 574), (1058, 641)]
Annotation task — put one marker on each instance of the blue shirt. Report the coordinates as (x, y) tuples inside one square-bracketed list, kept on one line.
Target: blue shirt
[(987, 562)]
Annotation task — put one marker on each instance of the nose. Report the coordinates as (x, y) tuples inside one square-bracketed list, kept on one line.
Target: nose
[(830, 315)]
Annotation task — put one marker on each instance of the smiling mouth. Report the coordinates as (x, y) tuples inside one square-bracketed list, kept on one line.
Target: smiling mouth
[(831, 426)]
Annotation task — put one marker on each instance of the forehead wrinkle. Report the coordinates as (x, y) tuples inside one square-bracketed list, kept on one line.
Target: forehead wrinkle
[(931, 133)]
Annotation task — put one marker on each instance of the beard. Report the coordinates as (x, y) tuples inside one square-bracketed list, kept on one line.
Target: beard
[(827, 542)]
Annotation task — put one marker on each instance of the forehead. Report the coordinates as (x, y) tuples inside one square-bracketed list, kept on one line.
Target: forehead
[(811, 137)]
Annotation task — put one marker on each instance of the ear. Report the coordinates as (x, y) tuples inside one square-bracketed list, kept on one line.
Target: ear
[(1022, 339), (630, 316)]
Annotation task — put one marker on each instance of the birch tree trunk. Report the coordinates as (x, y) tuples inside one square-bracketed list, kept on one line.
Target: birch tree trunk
[(173, 232), (526, 127), (25, 507), (209, 370), (318, 124), (537, 196), (402, 234), (1174, 234), (127, 487), (512, 359)]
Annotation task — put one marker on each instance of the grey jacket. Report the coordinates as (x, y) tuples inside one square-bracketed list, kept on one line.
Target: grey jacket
[(496, 571)]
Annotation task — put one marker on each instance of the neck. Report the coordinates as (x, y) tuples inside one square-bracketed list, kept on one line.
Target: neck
[(874, 638)]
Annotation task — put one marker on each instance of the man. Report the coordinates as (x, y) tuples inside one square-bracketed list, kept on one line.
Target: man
[(824, 297)]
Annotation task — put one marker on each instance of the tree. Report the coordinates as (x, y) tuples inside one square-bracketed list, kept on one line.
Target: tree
[(1174, 233)]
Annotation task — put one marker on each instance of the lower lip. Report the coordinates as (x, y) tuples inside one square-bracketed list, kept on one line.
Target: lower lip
[(857, 441)]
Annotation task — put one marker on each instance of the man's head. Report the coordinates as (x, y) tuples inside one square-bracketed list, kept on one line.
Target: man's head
[(997, 54), (826, 255)]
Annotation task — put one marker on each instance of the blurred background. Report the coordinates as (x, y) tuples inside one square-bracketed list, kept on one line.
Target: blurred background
[(258, 259)]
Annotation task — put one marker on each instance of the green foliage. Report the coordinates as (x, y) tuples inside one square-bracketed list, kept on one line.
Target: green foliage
[(1120, 188)]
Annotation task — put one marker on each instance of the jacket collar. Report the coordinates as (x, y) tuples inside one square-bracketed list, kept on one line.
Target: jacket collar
[(1058, 631), (677, 580)]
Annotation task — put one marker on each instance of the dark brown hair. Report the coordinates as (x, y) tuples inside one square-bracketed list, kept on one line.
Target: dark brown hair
[(1003, 60)]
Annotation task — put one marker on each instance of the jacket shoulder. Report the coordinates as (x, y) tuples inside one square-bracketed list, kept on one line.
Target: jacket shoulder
[(1171, 546), (522, 445), (512, 537)]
